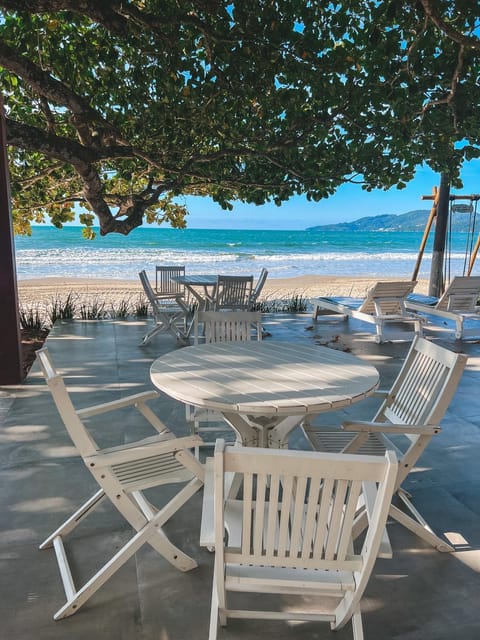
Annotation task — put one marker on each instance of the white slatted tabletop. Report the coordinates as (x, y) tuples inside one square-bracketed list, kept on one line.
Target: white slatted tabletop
[(194, 282), (267, 387)]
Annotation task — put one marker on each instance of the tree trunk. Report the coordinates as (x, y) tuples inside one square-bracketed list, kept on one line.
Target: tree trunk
[(436, 285)]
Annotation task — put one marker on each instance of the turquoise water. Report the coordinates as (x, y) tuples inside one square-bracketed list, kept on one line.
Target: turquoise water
[(64, 253)]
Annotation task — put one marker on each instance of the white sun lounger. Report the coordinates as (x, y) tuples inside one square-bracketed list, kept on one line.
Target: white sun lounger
[(384, 302), (459, 302)]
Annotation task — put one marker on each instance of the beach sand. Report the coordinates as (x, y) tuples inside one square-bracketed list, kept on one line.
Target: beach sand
[(44, 290)]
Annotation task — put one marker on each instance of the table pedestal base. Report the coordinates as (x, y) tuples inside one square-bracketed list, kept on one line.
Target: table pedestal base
[(263, 431)]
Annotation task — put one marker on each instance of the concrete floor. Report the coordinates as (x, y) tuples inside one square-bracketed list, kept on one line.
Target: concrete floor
[(420, 594)]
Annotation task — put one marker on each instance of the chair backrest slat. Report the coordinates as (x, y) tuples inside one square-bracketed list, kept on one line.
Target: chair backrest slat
[(233, 292), (298, 507), (387, 298), (227, 326), (164, 285), (462, 294), (425, 385)]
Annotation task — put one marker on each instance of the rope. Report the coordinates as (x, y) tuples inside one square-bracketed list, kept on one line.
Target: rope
[(470, 237), (447, 262)]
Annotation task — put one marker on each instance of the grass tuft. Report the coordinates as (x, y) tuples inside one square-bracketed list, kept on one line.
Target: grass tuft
[(38, 317), (32, 318)]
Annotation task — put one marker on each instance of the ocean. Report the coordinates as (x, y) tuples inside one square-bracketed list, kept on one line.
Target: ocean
[(64, 253)]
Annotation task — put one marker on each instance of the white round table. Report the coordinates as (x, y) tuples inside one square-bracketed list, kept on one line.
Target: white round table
[(264, 389)]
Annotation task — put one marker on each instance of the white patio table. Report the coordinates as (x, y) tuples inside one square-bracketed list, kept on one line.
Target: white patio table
[(201, 286), (264, 389)]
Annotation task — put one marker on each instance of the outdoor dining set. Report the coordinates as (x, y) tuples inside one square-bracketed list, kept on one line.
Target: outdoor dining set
[(170, 307), (308, 523)]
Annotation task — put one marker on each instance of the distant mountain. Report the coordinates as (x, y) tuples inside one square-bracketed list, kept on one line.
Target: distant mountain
[(411, 221)]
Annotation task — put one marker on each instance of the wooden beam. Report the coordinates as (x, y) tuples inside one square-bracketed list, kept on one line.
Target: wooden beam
[(10, 341), (428, 226)]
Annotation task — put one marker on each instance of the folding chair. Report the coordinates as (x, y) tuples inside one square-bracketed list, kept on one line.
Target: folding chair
[(232, 293), (458, 303), (165, 284), (220, 326), (169, 309), (412, 410), (123, 473), (384, 303), (258, 288), (291, 532)]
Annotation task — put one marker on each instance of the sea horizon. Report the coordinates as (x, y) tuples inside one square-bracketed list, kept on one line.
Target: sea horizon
[(52, 252)]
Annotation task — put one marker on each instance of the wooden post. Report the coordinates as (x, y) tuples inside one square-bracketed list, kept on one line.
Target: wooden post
[(473, 257), (10, 341), (436, 272), (428, 226)]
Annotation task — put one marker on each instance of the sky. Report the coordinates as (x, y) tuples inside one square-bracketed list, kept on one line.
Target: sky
[(350, 202)]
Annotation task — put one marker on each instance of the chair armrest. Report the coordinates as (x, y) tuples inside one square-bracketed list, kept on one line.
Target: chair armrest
[(207, 526), (380, 393), (97, 409), (386, 427), (419, 306), (143, 449)]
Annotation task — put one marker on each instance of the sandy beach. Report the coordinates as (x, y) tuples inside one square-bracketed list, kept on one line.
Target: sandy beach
[(43, 290)]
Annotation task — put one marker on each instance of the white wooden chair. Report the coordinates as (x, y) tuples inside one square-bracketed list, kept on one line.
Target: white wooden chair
[(384, 303), (220, 326), (165, 286), (226, 326), (458, 303), (408, 418), (170, 311), (231, 293), (257, 289), (290, 533), (123, 473)]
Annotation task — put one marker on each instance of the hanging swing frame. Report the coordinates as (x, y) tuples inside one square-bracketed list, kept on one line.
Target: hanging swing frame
[(470, 255)]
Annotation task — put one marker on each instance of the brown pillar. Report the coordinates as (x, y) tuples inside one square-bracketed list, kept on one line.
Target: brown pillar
[(10, 340), (436, 285)]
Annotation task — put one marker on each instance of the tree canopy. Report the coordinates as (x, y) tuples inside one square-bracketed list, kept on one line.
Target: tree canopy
[(123, 106)]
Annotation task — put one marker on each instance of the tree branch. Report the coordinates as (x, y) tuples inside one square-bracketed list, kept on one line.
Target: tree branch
[(470, 42)]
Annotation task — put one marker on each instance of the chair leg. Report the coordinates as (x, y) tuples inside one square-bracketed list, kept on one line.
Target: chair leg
[(459, 328), (171, 325), (379, 332), (418, 526), (151, 532), (77, 598), (153, 332), (357, 625), (213, 630), (148, 523), (75, 519), (160, 542), (166, 323)]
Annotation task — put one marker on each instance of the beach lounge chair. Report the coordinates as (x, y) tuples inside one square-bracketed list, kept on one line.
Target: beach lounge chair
[(220, 326), (169, 308), (458, 303), (290, 533), (122, 473), (406, 421), (384, 303)]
